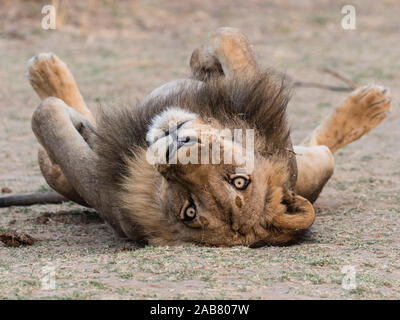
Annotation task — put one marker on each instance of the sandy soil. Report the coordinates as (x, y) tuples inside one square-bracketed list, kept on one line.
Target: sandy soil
[(121, 51)]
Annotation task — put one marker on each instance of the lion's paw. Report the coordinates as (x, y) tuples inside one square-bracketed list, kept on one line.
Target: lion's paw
[(49, 75), (366, 107), (370, 100)]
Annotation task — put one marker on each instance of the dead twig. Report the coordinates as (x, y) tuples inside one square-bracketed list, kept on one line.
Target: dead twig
[(341, 77), (351, 85), (320, 86)]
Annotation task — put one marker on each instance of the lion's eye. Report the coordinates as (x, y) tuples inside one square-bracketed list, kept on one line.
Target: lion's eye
[(190, 212), (240, 183)]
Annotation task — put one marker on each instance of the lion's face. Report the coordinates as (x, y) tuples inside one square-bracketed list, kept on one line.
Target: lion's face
[(240, 198)]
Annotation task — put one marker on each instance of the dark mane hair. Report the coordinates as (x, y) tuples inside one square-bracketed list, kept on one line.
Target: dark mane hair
[(258, 102)]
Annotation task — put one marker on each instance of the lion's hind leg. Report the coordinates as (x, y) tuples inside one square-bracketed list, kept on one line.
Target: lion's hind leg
[(50, 77), (362, 111), (57, 127), (60, 129)]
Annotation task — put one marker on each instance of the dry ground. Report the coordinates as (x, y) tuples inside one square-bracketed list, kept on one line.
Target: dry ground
[(121, 51)]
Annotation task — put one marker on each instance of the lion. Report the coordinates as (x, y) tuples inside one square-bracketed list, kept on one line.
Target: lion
[(103, 162)]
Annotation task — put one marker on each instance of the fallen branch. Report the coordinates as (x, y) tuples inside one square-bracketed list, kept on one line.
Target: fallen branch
[(351, 85), (320, 86), (341, 77), (32, 198)]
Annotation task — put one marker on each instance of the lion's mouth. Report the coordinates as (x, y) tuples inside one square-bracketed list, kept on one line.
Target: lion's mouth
[(178, 143), (173, 130)]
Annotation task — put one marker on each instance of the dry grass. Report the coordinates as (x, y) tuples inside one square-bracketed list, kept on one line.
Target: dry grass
[(119, 52)]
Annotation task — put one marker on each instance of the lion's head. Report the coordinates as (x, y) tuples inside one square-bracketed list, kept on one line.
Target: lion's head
[(187, 180)]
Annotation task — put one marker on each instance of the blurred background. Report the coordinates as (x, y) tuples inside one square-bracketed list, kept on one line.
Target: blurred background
[(119, 51)]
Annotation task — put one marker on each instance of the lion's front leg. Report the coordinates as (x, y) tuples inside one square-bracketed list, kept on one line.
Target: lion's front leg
[(363, 110), (225, 52)]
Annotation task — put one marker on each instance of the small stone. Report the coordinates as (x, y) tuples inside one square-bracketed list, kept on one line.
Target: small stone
[(6, 190)]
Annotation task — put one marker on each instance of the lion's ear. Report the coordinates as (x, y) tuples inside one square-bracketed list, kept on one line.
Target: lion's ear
[(298, 215)]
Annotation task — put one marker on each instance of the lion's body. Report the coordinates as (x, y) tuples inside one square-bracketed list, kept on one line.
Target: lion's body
[(271, 203)]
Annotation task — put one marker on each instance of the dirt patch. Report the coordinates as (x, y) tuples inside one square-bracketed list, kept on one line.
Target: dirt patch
[(13, 239), (69, 217), (125, 248)]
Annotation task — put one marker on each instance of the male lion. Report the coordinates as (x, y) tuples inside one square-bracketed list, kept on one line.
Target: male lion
[(103, 163)]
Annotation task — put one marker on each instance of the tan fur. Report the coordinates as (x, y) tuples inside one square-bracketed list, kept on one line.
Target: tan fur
[(107, 166), (266, 211), (151, 190), (145, 183), (225, 51), (50, 77), (56, 178), (362, 111), (316, 165)]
